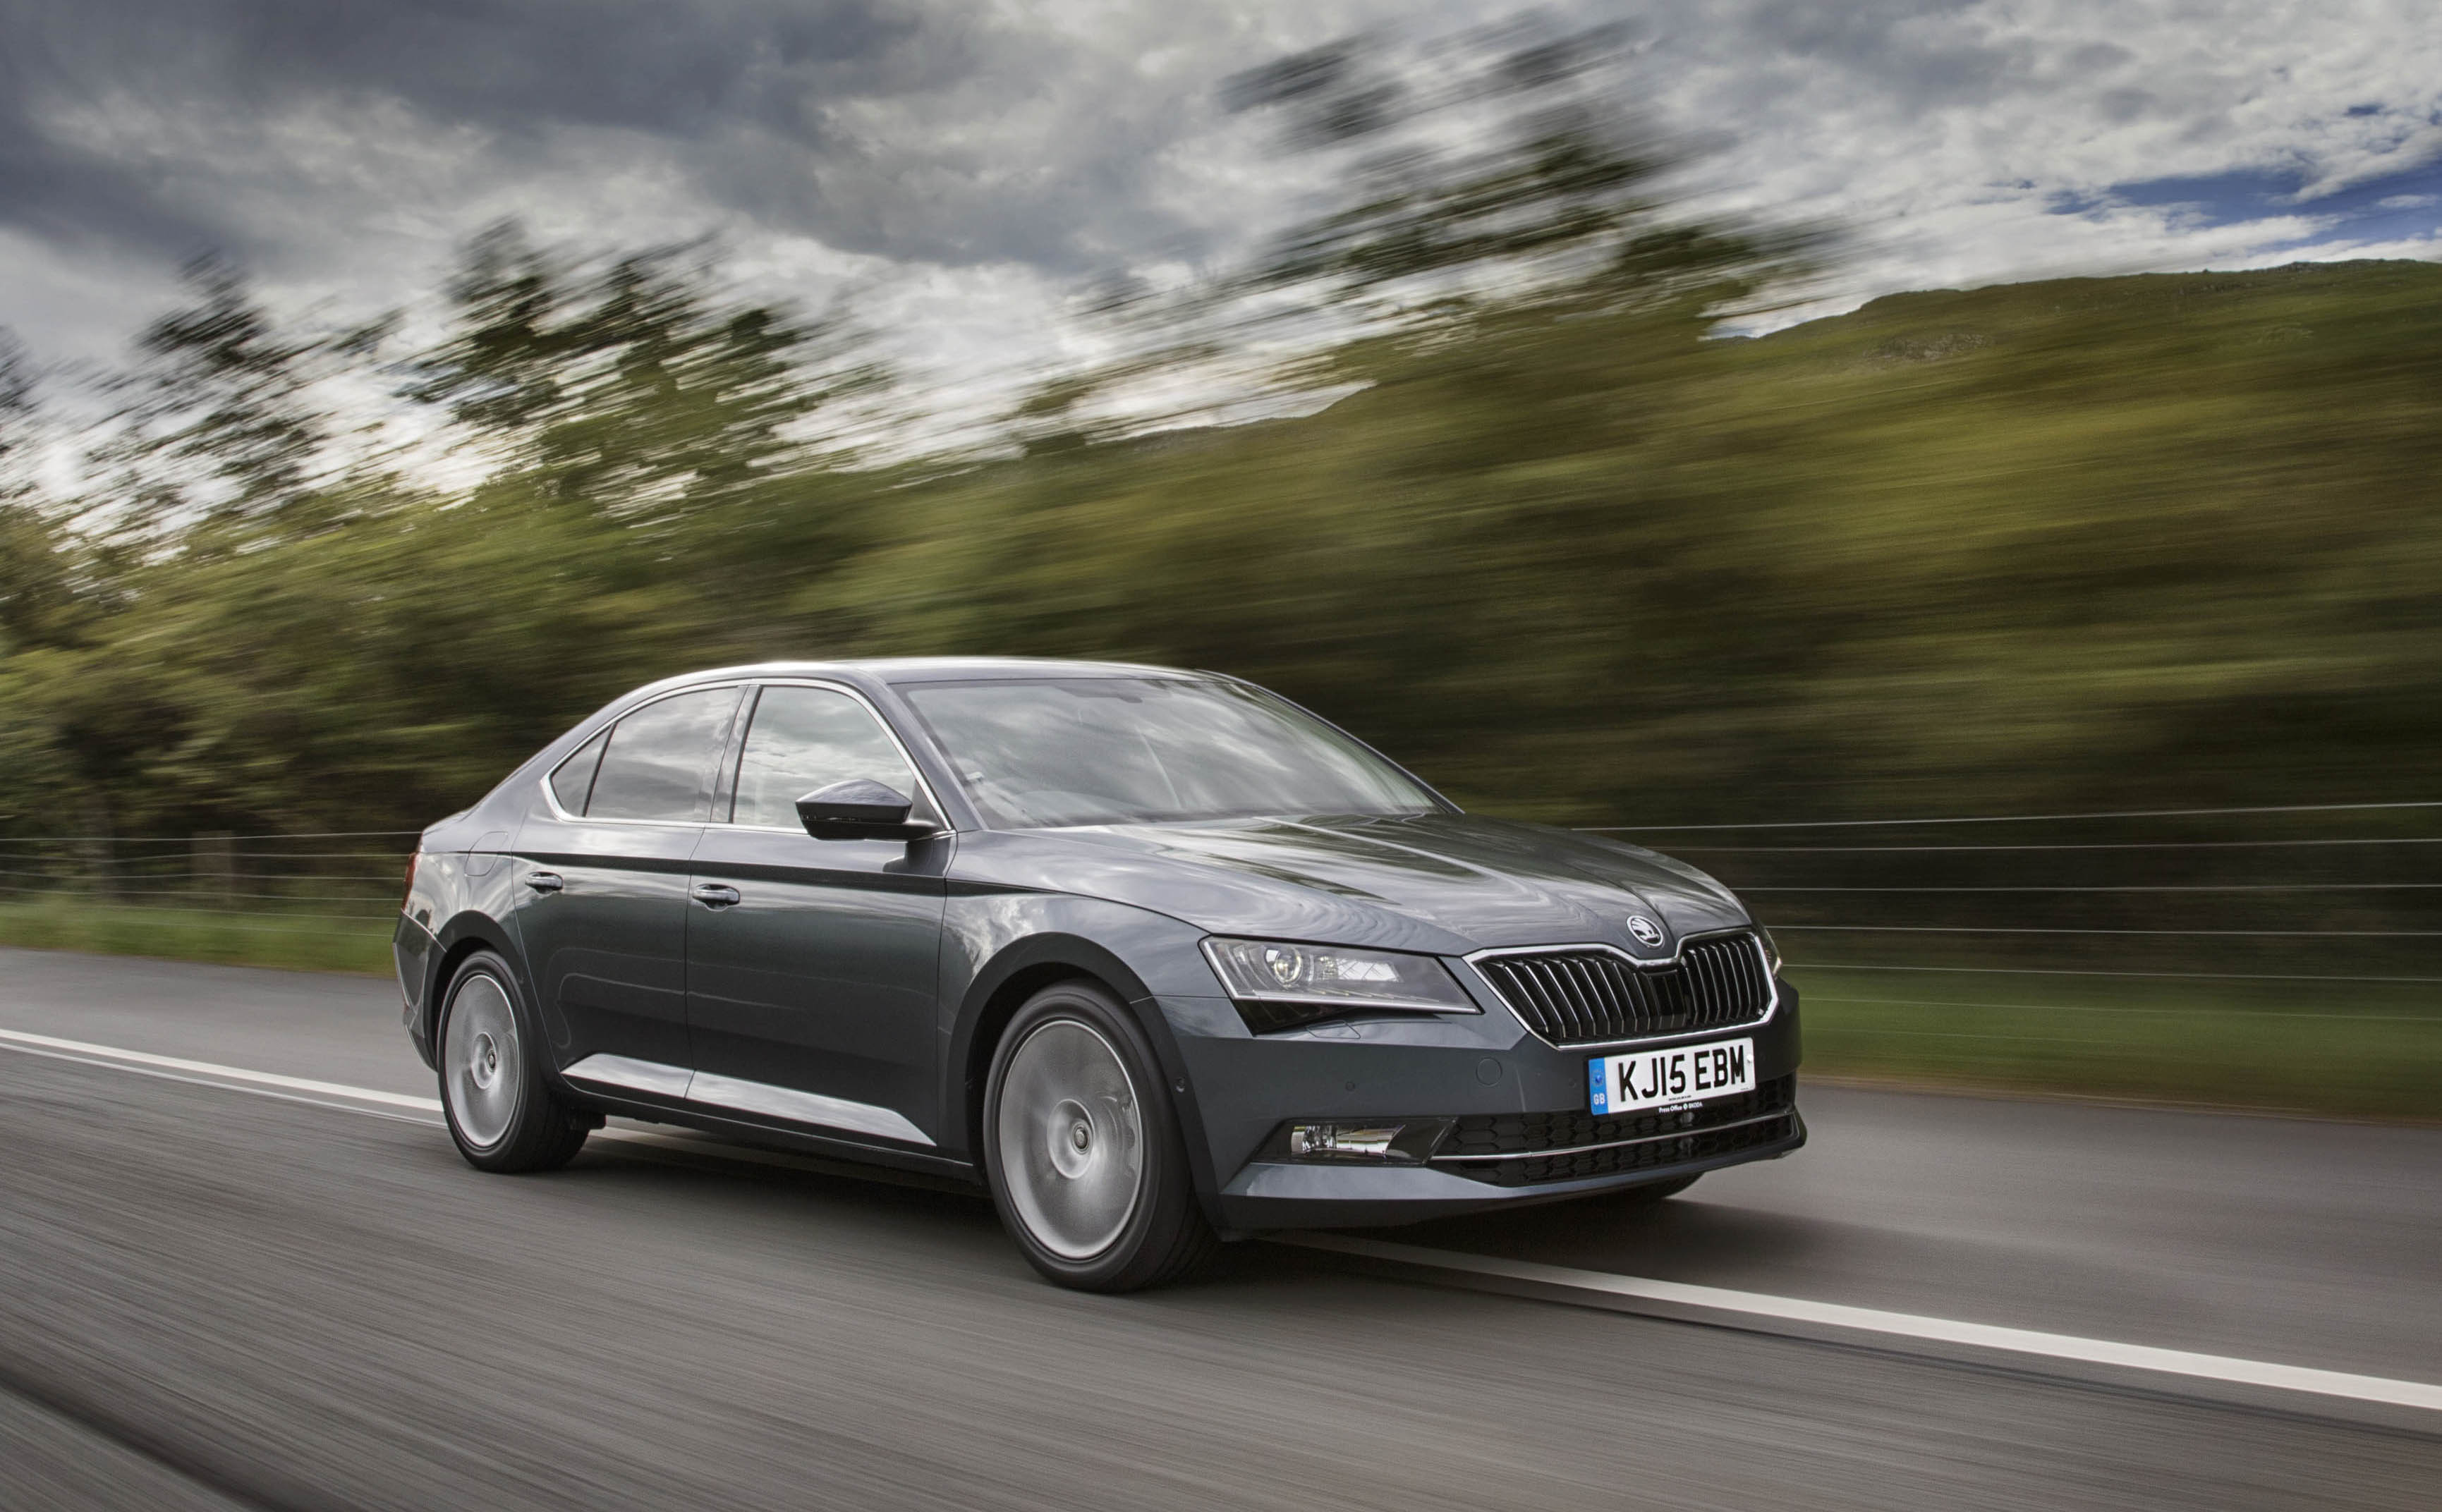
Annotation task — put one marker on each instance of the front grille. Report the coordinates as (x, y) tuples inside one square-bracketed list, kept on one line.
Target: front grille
[(1592, 996), (1632, 1141)]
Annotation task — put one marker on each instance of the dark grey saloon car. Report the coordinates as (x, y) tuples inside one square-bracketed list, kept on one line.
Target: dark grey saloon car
[(1158, 956)]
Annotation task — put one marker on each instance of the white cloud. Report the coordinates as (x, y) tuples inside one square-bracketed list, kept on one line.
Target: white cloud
[(959, 163)]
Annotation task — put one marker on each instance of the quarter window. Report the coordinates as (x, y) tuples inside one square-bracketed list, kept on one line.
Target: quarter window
[(804, 739), (571, 781), (661, 759)]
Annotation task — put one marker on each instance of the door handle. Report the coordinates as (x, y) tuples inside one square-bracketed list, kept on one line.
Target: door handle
[(545, 881), (714, 895)]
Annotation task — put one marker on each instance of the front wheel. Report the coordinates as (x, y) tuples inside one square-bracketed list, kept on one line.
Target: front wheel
[(1083, 1149), (502, 1113)]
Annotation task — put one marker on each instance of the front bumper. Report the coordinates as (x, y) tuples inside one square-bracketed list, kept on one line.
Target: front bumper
[(1268, 1196), (1516, 1096)]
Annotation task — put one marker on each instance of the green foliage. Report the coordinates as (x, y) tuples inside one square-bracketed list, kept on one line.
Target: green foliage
[(2091, 543), (2376, 1053), (2085, 544), (630, 391), (264, 937)]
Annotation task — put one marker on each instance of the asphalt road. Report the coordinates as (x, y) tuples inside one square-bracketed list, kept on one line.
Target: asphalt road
[(211, 1298)]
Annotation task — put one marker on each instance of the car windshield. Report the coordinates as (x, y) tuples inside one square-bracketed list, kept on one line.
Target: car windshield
[(1131, 750)]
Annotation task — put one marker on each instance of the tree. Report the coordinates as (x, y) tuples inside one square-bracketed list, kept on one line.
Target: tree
[(635, 389), (221, 438)]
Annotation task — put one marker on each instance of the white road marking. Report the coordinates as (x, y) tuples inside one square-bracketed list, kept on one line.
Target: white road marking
[(215, 1083), (229, 1073), (1903, 1325), (1718, 1299)]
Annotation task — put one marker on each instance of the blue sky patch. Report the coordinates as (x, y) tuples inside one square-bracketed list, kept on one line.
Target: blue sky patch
[(2401, 205)]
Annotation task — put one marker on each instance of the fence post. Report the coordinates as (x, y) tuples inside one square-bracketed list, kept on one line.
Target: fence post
[(215, 865), (93, 848)]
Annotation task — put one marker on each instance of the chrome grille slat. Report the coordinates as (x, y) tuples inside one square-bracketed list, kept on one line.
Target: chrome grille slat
[(1548, 991), (1582, 995), (1581, 976)]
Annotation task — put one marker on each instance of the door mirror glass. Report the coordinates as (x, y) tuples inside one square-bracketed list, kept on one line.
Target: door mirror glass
[(858, 810)]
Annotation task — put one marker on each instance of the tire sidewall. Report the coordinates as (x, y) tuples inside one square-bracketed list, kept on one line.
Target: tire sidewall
[(534, 1099), (1163, 1187)]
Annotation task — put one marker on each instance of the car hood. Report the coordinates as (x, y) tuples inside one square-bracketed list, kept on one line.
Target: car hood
[(1448, 884)]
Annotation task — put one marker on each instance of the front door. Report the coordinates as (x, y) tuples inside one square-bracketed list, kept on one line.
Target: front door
[(812, 964), (601, 883)]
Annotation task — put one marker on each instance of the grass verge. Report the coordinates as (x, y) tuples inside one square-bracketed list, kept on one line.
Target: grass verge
[(2355, 1049), (2361, 1050), (295, 940)]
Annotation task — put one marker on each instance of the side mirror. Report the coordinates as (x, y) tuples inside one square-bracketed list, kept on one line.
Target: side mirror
[(860, 809)]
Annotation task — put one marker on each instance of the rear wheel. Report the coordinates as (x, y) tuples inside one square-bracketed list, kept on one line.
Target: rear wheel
[(502, 1115), (1083, 1148)]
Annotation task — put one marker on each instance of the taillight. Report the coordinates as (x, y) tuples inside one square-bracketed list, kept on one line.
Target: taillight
[(406, 894)]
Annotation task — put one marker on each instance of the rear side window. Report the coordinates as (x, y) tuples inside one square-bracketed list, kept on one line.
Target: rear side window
[(661, 759), (804, 738), (572, 780)]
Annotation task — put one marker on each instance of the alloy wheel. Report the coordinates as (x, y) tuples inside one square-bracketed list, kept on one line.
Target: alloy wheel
[(1071, 1136), (483, 1076)]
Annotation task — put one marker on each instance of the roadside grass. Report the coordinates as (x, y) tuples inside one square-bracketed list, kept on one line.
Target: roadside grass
[(2359, 1049), (302, 938)]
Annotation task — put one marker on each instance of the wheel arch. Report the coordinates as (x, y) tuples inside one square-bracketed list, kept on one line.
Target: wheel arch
[(457, 939), (1024, 966)]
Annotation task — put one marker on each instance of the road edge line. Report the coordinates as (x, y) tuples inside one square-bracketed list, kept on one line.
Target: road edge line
[(1670, 1297), (1716, 1304), (229, 1073)]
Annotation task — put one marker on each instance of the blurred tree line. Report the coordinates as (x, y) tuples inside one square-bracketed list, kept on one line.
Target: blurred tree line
[(1561, 544)]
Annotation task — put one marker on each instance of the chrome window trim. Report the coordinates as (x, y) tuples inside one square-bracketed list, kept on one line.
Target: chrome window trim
[(924, 788), (551, 799), (1614, 1144), (1752, 932)]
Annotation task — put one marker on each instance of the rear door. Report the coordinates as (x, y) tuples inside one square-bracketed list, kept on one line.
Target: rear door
[(812, 964), (602, 891)]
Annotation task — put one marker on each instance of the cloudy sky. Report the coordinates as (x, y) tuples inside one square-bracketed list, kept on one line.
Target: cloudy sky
[(961, 164)]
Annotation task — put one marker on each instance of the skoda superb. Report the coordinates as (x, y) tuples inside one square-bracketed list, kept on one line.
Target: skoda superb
[(1157, 958)]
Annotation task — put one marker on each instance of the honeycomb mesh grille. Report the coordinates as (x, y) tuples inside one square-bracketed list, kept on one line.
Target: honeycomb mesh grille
[(1766, 1116)]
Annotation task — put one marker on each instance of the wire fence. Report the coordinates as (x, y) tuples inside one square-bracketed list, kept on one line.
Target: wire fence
[(322, 883), (2231, 895), (2320, 905)]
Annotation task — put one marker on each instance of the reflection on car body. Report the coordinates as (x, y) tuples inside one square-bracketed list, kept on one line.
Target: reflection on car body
[(1157, 958)]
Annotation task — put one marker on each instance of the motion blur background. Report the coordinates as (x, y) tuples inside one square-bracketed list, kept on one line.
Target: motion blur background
[(1540, 395)]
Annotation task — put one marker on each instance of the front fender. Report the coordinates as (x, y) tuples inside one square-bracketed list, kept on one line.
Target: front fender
[(995, 941)]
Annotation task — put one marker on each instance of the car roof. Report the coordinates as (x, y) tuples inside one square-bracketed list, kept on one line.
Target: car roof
[(939, 669)]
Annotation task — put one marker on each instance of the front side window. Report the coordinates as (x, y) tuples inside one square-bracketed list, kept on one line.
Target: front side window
[(804, 739), (661, 759), (1131, 750)]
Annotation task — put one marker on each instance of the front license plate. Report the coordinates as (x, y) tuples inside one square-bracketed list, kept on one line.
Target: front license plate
[(1682, 1074)]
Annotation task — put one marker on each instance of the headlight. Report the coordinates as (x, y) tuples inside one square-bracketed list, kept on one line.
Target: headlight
[(1771, 949), (1278, 985)]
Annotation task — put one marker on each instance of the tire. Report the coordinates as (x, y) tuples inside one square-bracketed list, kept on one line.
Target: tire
[(1083, 1149), (502, 1115), (1654, 1192)]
